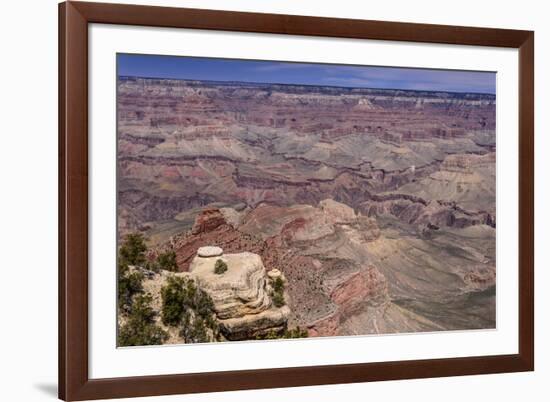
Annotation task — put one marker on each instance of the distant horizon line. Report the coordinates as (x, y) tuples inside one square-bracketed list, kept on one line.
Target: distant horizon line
[(308, 85)]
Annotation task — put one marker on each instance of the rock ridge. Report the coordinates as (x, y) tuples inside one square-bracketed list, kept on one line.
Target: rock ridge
[(242, 302)]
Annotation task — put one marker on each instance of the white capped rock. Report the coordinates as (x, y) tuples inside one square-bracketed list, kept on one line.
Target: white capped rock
[(241, 299), (274, 274), (209, 251)]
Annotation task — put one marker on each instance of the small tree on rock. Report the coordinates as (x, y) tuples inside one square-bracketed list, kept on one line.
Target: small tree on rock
[(132, 251), (167, 261), (181, 296), (140, 329), (173, 301), (220, 267), (278, 285), (129, 284), (277, 296), (278, 299)]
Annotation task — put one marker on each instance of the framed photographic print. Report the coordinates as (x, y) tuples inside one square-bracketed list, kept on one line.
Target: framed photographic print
[(259, 200)]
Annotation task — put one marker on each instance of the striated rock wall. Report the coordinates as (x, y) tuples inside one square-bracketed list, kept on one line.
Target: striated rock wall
[(352, 295), (187, 144), (435, 214), (365, 286), (378, 206), (241, 296)]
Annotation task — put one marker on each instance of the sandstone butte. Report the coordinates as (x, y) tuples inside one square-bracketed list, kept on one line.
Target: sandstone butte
[(242, 302)]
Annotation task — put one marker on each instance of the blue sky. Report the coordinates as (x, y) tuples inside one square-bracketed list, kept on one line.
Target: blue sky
[(199, 68)]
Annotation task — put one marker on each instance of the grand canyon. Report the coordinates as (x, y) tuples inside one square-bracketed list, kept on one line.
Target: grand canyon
[(334, 211)]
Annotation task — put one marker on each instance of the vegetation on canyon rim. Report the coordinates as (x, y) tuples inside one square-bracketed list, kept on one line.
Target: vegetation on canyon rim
[(185, 306), (139, 327), (277, 295), (132, 252), (377, 205), (167, 261), (184, 303), (287, 334)]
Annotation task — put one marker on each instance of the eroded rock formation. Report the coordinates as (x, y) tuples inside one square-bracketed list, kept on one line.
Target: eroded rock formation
[(241, 297), (187, 144), (377, 206)]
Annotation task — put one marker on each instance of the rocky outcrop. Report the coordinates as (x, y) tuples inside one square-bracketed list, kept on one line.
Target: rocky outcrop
[(338, 212), (480, 277), (305, 223), (288, 144), (364, 286), (208, 220), (377, 206), (467, 181), (352, 294), (432, 215), (209, 252), (323, 249), (210, 228), (242, 302)]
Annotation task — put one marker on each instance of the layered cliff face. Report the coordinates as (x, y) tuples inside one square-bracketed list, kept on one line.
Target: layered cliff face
[(345, 274), (241, 297), (186, 144), (377, 205)]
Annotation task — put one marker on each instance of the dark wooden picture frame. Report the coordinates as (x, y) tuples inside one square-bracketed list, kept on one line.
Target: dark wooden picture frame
[(74, 382)]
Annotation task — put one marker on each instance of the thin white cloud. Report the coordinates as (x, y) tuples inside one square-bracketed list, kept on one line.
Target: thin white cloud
[(282, 66)]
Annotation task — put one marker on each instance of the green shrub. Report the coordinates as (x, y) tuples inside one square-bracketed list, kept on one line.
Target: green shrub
[(186, 327), (181, 295), (278, 299), (278, 285), (194, 331), (203, 304), (286, 334), (277, 296), (173, 301), (212, 324), (132, 251), (296, 333), (198, 329), (269, 335), (167, 261), (152, 266), (129, 284), (140, 329), (220, 267)]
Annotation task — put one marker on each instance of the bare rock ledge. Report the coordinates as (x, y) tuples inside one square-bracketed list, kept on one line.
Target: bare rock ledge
[(241, 299)]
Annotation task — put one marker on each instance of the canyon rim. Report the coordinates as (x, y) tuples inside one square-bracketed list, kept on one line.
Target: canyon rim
[(267, 200)]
